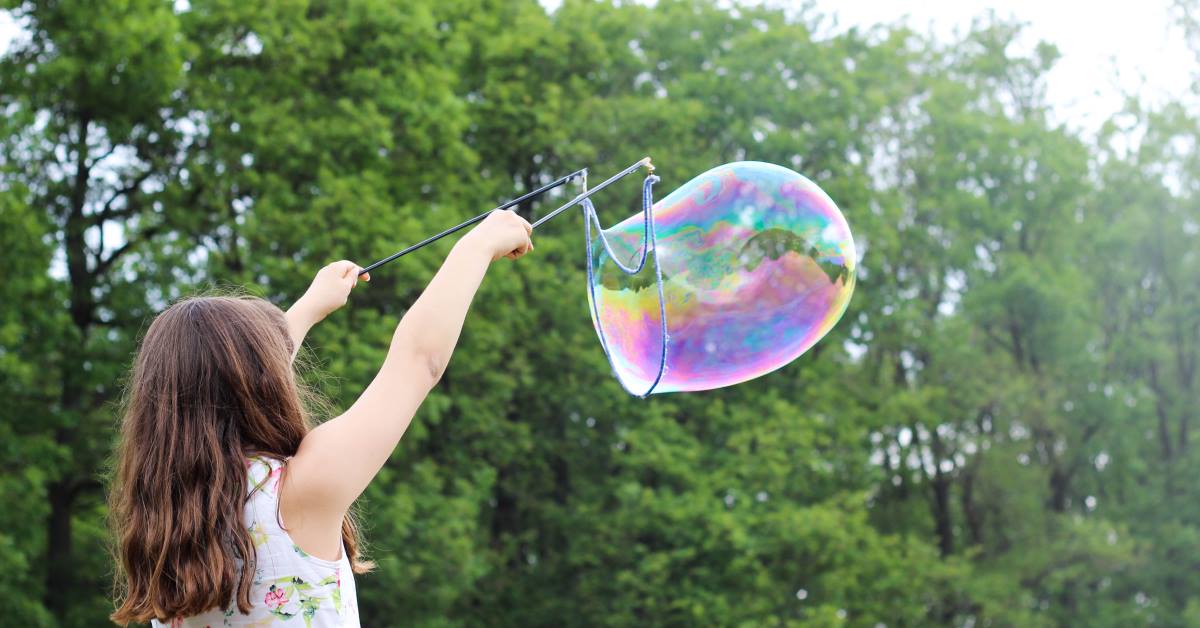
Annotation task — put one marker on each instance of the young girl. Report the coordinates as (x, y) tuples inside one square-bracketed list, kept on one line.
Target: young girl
[(228, 510)]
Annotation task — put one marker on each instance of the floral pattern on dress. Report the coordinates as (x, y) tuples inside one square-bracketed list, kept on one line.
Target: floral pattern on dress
[(277, 475), (257, 536), (289, 597)]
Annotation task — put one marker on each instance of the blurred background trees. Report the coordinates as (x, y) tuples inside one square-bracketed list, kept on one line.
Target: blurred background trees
[(999, 432)]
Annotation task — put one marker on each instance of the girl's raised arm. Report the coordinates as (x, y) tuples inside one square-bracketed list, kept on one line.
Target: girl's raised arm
[(329, 291), (339, 458)]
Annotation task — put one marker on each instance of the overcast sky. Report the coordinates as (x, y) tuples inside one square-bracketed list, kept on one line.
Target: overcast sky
[(1133, 46), (1107, 47)]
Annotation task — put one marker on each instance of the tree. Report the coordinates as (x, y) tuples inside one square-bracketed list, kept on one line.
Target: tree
[(997, 433), (85, 141)]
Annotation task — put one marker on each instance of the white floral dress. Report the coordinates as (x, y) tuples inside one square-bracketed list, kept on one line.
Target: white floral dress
[(291, 588)]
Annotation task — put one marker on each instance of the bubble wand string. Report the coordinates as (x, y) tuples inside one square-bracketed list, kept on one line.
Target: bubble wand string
[(645, 162), (649, 243)]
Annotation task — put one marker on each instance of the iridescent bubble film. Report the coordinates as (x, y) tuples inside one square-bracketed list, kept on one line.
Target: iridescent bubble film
[(757, 265)]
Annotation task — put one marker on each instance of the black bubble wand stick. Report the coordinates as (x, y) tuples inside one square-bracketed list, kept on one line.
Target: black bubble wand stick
[(580, 174)]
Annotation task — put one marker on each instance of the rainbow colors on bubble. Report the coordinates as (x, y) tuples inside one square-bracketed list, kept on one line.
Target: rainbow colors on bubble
[(757, 265)]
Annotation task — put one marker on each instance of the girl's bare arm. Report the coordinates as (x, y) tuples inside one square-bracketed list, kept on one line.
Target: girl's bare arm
[(338, 459)]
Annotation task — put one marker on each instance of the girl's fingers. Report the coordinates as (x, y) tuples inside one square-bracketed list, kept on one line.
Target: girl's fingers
[(519, 252)]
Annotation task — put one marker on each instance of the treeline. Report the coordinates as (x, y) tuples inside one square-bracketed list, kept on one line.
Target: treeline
[(1000, 432)]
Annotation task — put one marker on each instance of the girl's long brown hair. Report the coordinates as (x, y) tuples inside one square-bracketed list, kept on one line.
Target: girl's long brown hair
[(211, 386)]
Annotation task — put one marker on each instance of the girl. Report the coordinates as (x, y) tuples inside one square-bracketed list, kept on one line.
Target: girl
[(228, 510)]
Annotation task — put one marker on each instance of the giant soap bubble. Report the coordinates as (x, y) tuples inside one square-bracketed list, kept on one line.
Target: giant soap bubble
[(757, 264)]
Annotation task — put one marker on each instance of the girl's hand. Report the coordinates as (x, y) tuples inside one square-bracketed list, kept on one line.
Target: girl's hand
[(502, 234), (330, 289)]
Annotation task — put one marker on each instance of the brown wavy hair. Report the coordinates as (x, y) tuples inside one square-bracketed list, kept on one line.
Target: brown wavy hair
[(212, 386)]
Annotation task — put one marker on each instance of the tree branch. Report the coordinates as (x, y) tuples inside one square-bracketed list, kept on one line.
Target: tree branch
[(108, 212), (112, 149), (103, 265), (82, 170)]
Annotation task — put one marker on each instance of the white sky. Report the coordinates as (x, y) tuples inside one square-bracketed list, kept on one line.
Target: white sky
[(1108, 46)]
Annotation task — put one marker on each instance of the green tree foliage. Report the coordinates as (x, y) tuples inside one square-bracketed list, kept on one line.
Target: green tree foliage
[(998, 432)]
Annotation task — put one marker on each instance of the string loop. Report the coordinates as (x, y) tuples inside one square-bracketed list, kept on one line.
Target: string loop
[(649, 243)]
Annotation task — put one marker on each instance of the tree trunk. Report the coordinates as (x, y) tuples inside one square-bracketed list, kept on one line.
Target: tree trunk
[(60, 574), (1160, 410), (58, 547), (61, 495), (1060, 481), (941, 514), (970, 509)]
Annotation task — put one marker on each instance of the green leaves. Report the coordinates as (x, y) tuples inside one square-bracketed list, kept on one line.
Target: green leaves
[(999, 431)]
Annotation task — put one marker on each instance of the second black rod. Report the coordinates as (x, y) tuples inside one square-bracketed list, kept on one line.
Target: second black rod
[(462, 225), (545, 188)]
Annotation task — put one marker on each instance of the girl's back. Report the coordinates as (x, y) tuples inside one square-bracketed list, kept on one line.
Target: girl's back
[(288, 583)]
